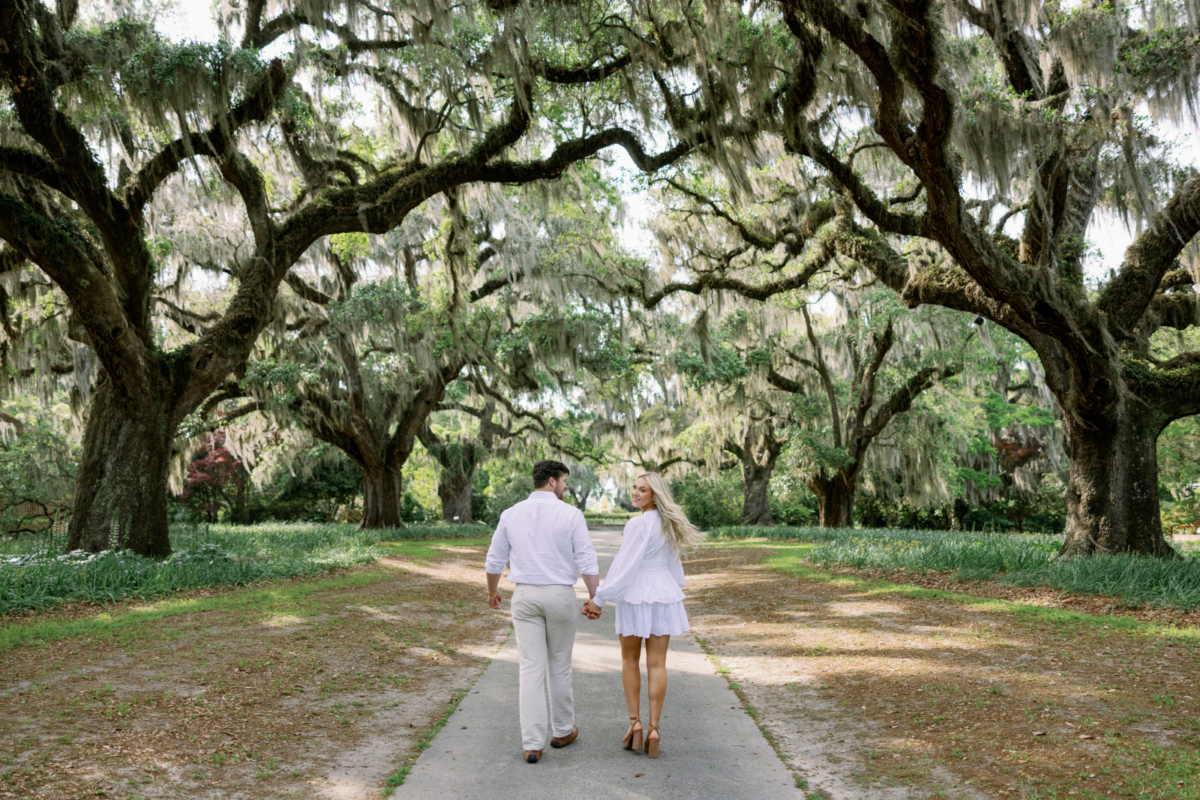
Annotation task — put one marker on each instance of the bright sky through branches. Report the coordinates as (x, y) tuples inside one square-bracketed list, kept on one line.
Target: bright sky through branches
[(194, 20)]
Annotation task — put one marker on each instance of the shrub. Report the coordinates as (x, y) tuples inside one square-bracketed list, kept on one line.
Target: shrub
[(507, 489), (1182, 516), (216, 480), (37, 471), (792, 503), (709, 501)]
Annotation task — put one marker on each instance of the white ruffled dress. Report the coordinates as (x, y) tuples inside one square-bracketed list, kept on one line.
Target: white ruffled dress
[(645, 582)]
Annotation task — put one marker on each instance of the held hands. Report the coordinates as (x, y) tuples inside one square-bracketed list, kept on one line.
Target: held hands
[(591, 610), (494, 599)]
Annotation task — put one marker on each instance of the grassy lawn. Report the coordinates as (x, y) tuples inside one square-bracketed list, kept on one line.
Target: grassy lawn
[(909, 677), (945, 691), (1016, 559), (36, 574), (284, 689)]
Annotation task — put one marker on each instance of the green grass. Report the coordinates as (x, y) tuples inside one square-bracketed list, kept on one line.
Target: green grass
[(437, 531), (1019, 559), (775, 533), (1143, 770), (793, 557), (33, 575), (129, 624), (396, 779), (426, 550)]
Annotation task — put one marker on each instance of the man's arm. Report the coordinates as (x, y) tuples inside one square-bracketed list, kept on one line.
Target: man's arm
[(494, 596), (588, 563), (497, 557), (590, 609)]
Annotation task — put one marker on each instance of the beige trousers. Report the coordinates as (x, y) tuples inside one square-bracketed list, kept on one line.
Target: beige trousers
[(544, 619)]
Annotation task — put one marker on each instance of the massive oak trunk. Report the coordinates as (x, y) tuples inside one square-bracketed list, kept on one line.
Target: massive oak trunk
[(835, 497), (758, 453), (382, 495), (454, 490), (1112, 489), (121, 492), (756, 499)]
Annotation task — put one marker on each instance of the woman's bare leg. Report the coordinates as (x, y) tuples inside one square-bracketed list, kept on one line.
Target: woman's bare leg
[(631, 675), (656, 675)]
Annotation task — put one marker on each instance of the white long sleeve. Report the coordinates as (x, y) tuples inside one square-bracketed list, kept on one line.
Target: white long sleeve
[(624, 568), (676, 567), (544, 541)]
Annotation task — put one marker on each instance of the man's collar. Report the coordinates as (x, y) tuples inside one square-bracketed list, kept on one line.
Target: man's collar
[(541, 496)]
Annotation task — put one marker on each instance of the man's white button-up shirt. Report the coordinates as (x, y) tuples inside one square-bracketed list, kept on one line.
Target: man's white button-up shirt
[(543, 540)]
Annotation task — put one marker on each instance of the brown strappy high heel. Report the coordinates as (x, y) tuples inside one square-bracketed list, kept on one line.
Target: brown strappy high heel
[(652, 744), (633, 739)]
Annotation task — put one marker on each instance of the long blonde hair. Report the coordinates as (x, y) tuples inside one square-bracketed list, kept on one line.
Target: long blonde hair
[(676, 528)]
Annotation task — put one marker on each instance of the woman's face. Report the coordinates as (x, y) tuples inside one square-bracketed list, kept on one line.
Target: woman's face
[(642, 495)]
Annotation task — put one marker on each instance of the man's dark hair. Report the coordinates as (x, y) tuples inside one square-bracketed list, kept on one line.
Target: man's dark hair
[(543, 471)]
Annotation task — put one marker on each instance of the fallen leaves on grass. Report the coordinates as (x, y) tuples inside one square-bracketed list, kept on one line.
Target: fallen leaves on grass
[(261, 701), (960, 694)]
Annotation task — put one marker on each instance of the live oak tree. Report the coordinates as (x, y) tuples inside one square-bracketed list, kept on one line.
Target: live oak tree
[(850, 384), (477, 422), (584, 481), (741, 420), (373, 339), (778, 376), (936, 129), (128, 159), (460, 451)]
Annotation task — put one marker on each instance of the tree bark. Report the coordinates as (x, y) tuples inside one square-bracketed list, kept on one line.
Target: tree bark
[(835, 498), (121, 492), (756, 501), (1112, 488), (382, 494), (454, 490), (758, 453)]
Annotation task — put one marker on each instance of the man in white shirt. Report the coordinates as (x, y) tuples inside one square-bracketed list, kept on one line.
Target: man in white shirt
[(543, 540)]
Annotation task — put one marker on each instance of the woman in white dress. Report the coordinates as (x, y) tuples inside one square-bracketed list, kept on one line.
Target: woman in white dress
[(645, 582)]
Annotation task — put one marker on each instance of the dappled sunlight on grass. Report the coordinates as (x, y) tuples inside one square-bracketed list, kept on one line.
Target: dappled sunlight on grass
[(1018, 559), (204, 556), (265, 691)]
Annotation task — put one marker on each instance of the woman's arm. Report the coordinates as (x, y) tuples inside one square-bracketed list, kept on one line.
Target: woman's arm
[(623, 570)]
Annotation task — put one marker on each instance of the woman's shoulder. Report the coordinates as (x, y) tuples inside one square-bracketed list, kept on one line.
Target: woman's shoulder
[(644, 521)]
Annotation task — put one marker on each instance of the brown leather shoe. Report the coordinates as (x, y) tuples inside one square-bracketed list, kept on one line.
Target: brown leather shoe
[(532, 756), (563, 741)]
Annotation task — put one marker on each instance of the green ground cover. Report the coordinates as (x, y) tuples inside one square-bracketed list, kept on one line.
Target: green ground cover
[(35, 574), (424, 550), (610, 518), (128, 624), (437, 531), (794, 558), (1019, 559)]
